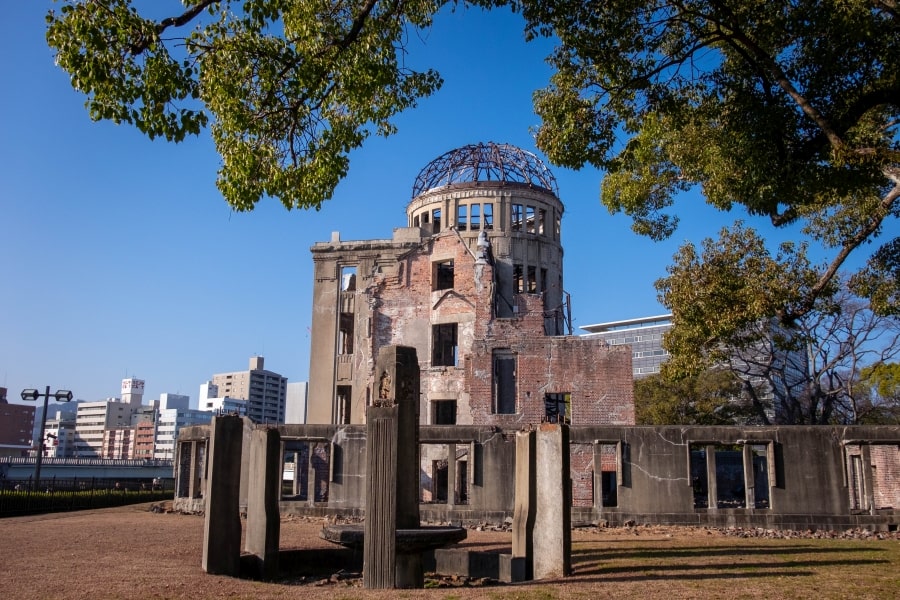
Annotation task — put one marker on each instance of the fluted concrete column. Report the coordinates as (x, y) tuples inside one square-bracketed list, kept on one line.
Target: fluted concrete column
[(392, 471), (263, 510), (222, 521)]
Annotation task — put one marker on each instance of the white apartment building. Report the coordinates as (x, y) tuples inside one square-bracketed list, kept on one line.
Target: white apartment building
[(93, 418), (60, 435), (170, 421)]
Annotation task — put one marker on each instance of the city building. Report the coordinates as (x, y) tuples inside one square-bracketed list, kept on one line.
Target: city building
[(16, 427), (644, 336), (170, 421), (264, 391), (59, 434), (92, 419), (474, 282)]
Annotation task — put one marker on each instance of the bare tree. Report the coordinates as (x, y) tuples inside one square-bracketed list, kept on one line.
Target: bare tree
[(808, 373)]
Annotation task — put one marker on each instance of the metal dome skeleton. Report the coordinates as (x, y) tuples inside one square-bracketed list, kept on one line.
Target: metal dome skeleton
[(485, 162)]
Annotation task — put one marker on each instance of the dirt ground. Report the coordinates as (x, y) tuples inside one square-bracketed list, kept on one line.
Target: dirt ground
[(130, 552)]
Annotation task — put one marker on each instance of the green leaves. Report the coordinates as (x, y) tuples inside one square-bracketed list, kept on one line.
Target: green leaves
[(290, 87)]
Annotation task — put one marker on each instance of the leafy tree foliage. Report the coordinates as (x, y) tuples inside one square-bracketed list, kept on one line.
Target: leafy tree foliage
[(289, 87), (710, 398), (877, 398), (798, 366), (787, 109)]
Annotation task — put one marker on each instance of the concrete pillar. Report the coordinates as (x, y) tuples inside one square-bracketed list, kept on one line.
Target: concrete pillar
[(598, 478), (222, 521), (295, 488), (553, 495), (392, 471), (451, 475), (311, 475), (749, 478), (524, 508), (263, 500), (868, 479), (712, 490), (196, 470)]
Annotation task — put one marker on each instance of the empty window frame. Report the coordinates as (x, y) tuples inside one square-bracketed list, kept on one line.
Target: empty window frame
[(542, 219), (345, 333), (518, 280), (416, 221), (348, 279), (732, 475), (443, 412), (461, 220), (556, 229), (517, 215), (504, 387), (475, 217), (556, 407), (532, 280), (442, 275), (529, 219), (543, 283), (444, 345), (344, 394), (488, 215), (436, 220)]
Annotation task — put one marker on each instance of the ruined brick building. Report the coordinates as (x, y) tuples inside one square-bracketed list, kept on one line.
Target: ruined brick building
[(474, 282)]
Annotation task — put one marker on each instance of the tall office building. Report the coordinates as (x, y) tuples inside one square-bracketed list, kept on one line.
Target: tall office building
[(264, 391), (643, 334)]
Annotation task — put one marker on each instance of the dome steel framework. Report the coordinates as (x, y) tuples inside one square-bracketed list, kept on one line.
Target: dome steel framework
[(482, 163)]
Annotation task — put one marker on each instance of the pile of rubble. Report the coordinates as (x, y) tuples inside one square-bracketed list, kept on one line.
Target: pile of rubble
[(809, 534)]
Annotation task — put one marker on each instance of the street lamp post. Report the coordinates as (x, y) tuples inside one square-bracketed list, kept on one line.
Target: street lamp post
[(31, 395)]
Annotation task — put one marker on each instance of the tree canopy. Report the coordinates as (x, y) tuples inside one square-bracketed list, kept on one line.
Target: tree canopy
[(788, 110)]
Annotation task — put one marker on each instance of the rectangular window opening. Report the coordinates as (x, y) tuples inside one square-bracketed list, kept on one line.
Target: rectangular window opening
[(529, 219), (730, 485), (475, 217), (444, 345), (517, 217), (542, 218), (348, 279), (442, 275), (436, 220), (343, 393), (699, 480), (488, 215), (532, 280), (345, 333), (461, 221), (443, 412), (518, 280), (556, 407), (504, 381)]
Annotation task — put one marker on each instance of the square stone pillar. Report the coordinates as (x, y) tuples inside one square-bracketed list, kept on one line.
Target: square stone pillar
[(263, 500), (222, 521), (552, 557), (712, 490), (392, 471), (523, 511)]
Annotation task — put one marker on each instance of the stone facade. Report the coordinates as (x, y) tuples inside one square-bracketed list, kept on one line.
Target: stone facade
[(473, 283)]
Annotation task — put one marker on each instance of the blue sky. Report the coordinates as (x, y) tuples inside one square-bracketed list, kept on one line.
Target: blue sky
[(120, 258)]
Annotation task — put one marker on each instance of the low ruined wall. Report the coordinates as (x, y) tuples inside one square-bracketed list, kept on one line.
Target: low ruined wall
[(771, 477)]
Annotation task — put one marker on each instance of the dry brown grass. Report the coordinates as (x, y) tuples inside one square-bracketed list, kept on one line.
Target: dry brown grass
[(130, 552)]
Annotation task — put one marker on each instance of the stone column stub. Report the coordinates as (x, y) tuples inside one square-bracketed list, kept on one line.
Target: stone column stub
[(222, 519)]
